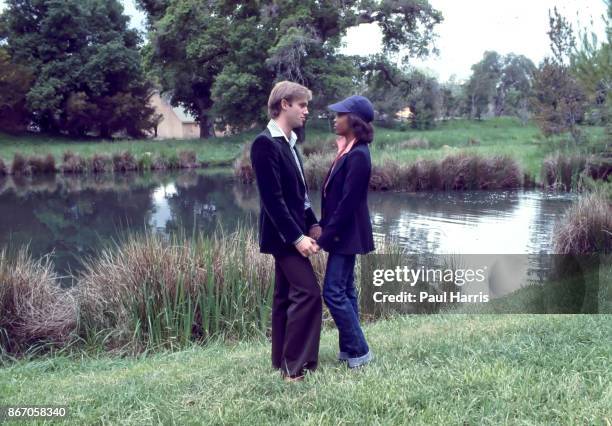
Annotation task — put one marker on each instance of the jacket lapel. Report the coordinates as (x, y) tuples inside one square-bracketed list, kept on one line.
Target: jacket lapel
[(339, 164), (286, 149), (297, 152)]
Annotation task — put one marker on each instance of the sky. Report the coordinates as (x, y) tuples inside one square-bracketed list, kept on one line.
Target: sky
[(470, 28)]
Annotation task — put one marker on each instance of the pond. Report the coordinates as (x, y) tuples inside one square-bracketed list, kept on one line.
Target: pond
[(73, 216)]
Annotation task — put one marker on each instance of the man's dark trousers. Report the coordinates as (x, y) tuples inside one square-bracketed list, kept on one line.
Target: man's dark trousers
[(296, 315), (297, 305)]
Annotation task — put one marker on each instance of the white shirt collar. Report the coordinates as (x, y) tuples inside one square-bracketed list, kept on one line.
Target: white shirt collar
[(276, 132)]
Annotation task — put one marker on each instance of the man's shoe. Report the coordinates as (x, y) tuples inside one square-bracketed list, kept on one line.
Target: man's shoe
[(360, 361), (343, 356)]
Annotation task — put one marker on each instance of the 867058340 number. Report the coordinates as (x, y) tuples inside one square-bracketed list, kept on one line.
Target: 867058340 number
[(23, 412)]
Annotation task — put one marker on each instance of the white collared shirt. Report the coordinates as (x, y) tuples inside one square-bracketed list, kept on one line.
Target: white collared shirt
[(275, 132)]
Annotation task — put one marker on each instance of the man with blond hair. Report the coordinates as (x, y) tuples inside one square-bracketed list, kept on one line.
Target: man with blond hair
[(287, 230)]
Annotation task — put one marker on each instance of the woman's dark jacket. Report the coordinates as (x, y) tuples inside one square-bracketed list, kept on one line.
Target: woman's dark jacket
[(345, 217)]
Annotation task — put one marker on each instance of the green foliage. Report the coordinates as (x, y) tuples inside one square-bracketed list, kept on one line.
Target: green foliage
[(424, 102), (451, 94), (561, 35), (85, 63), (499, 85), (392, 89), (481, 87), (591, 64), (558, 100), (220, 59), (188, 48), (387, 86), (514, 89), (560, 96), (15, 82)]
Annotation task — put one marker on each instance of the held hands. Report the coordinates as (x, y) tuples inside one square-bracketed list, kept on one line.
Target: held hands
[(307, 246), (315, 232)]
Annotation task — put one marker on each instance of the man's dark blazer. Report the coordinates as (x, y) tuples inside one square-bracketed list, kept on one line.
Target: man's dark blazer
[(345, 217), (282, 192)]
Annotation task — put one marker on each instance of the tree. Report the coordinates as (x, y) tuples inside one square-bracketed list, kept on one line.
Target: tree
[(561, 35), (482, 85), (391, 89), (188, 49), (451, 94), (220, 58), (499, 84), (591, 64), (424, 101), (386, 85), (86, 66), (558, 99), (15, 82), (514, 87)]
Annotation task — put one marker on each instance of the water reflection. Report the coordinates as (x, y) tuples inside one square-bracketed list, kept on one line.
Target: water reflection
[(479, 222), (74, 215)]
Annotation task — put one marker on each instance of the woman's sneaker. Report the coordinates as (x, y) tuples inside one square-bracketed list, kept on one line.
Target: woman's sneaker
[(360, 361)]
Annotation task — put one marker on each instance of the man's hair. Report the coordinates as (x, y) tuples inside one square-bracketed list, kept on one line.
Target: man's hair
[(364, 132), (289, 91)]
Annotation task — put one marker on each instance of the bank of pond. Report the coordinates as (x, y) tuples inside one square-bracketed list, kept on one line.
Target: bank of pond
[(453, 170), (153, 290)]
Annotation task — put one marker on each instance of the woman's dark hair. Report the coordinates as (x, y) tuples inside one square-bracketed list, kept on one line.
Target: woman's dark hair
[(364, 132)]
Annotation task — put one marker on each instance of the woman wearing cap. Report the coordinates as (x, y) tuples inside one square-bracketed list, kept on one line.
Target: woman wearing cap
[(346, 227)]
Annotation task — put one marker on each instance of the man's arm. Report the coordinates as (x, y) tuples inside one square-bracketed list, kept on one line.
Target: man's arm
[(311, 218), (265, 159)]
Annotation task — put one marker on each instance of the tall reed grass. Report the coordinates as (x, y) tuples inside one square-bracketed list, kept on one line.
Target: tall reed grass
[(124, 162), (18, 167), (243, 169), (319, 146), (101, 163), (560, 171), (155, 291), (453, 172), (147, 291), (316, 167), (73, 163), (34, 310), (188, 160), (568, 172), (32, 165), (586, 226)]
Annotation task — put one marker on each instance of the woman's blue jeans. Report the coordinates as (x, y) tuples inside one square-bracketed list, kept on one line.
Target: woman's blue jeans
[(341, 300)]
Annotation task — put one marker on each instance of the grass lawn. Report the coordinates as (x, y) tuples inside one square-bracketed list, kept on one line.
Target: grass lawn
[(440, 369)]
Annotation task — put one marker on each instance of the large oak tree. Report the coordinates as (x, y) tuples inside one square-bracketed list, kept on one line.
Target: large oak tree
[(220, 58)]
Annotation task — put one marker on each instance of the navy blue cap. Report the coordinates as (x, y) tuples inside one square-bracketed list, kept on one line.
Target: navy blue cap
[(358, 105)]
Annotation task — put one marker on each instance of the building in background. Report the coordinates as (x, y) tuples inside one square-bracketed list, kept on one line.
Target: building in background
[(175, 122), (404, 114)]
